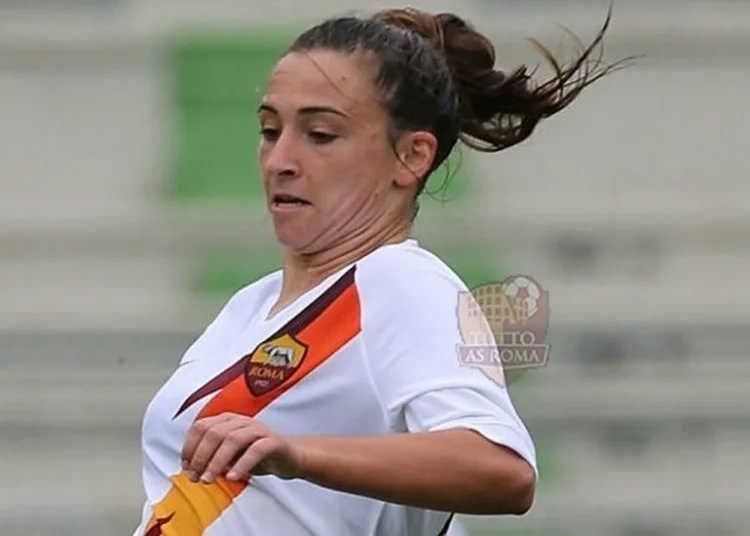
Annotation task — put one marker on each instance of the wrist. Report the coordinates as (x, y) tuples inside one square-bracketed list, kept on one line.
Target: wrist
[(307, 453)]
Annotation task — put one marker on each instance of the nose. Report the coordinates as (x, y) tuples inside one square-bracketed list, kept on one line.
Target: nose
[(281, 158)]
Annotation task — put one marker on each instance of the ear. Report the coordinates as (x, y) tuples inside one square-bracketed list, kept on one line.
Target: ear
[(416, 153)]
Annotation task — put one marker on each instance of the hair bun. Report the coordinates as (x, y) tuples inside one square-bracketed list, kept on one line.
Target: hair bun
[(420, 22), (498, 109)]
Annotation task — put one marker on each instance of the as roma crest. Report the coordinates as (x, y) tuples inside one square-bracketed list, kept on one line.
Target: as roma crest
[(273, 363), (503, 326)]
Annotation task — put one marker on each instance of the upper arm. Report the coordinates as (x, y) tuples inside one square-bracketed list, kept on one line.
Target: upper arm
[(412, 339)]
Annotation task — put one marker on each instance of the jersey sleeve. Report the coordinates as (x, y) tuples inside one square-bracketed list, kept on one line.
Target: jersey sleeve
[(412, 338)]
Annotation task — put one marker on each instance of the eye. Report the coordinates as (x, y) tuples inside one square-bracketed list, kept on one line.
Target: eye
[(269, 134), (321, 138)]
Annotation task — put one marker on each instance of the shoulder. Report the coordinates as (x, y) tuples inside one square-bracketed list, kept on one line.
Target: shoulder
[(406, 268), (405, 281)]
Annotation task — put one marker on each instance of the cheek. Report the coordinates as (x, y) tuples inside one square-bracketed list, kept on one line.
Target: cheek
[(374, 163), (367, 178), (262, 155)]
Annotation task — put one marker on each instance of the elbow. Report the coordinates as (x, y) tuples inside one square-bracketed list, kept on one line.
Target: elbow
[(522, 498), (518, 489)]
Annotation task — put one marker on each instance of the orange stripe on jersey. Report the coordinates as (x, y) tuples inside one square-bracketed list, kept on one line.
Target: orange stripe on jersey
[(294, 326), (190, 507), (319, 331), (323, 337), (333, 329)]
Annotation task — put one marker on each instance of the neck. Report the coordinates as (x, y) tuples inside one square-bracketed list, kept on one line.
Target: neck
[(303, 272)]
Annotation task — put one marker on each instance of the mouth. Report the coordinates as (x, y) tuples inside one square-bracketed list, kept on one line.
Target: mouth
[(283, 202)]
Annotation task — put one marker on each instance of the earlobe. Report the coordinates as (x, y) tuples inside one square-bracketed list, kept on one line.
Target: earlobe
[(406, 174), (416, 154)]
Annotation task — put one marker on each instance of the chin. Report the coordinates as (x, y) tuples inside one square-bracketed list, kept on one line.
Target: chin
[(291, 239)]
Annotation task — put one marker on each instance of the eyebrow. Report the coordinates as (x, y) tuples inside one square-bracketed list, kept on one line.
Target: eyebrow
[(307, 110)]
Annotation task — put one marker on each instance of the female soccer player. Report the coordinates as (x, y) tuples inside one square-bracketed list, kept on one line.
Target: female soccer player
[(327, 399)]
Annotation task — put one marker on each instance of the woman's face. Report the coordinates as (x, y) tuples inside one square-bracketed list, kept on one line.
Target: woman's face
[(329, 169)]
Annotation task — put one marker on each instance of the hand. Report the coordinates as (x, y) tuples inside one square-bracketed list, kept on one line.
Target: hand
[(238, 446)]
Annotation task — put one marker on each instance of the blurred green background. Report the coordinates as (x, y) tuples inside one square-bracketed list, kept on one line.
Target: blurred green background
[(131, 209)]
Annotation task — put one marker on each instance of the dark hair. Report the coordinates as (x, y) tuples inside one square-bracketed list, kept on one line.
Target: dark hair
[(437, 73)]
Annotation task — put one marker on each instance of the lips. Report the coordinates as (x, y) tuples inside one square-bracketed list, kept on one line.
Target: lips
[(289, 200), (285, 204)]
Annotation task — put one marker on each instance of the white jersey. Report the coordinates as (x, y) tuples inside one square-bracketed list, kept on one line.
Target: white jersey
[(371, 350)]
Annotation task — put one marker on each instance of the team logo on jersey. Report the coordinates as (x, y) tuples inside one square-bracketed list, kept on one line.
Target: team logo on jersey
[(273, 363), (503, 326)]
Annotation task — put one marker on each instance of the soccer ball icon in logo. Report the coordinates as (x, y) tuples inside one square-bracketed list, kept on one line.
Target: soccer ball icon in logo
[(503, 326), (526, 291)]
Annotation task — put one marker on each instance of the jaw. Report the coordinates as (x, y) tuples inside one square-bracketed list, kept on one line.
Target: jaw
[(293, 226)]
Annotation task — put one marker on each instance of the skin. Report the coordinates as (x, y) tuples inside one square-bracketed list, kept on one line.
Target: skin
[(355, 208), (321, 120)]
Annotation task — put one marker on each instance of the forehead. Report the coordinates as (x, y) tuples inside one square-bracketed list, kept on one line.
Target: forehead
[(323, 78)]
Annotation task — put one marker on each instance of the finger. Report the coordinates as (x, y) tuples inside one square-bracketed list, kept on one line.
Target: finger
[(232, 448), (209, 443), (195, 435), (253, 456)]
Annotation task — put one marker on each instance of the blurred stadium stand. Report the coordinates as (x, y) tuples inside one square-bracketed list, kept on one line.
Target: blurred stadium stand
[(128, 213)]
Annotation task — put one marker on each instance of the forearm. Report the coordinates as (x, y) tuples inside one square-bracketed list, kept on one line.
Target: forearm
[(454, 471)]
